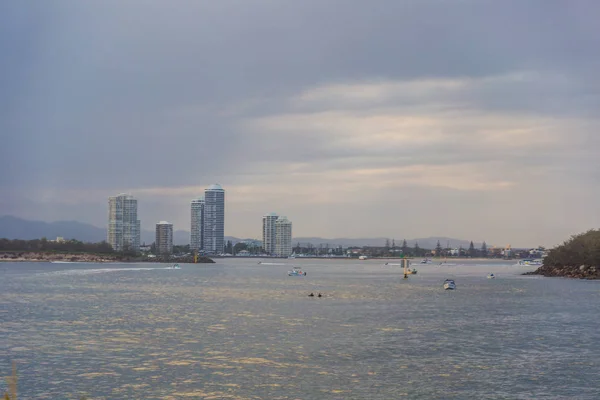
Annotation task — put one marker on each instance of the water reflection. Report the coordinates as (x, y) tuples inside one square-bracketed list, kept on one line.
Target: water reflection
[(239, 330)]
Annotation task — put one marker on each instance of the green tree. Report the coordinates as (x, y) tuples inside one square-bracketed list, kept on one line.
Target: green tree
[(484, 252), (404, 247), (417, 250), (471, 250), (582, 249), (239, 247), (438, 249)]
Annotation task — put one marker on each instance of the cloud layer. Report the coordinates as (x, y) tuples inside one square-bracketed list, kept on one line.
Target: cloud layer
[(472, 119)]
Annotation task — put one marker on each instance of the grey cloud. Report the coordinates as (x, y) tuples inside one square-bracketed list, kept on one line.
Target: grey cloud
[(111, 95)]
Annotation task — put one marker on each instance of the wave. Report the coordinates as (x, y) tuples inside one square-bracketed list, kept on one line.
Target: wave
[(267, 263), (101, 271)]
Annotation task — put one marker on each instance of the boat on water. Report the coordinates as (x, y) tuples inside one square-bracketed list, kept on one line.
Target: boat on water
[(412, 272), (296, 271), (426, 261), (293, 255), (174, 266), (491, 276), (449, 284), (530, 262), (362, 258)]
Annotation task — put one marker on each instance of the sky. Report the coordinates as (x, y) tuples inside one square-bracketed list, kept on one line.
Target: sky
[(471, 119)]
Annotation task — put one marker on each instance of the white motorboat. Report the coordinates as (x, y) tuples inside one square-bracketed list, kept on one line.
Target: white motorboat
[(296, 271), (491, 276), (449, 284), (530, 262)]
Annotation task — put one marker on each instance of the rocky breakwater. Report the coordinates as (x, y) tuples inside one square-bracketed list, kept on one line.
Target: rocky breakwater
[(580, 272)]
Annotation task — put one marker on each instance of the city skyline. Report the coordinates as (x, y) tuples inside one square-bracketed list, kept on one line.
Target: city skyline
[(164, 238), (197, 224), (269, 233), (277, 235), (283, 237), (123, 228), (463, 119), (214, 219)]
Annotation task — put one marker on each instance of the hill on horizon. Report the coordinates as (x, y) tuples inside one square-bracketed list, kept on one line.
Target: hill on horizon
[(19, 228)]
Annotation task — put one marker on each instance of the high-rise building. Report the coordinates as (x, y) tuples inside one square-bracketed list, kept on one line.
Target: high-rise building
[(197, 225), (164, 238), (269, 236), (123, 224), (283, 237), (214, 219)]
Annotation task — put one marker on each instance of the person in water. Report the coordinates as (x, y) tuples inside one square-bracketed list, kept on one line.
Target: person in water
[(319, 295)]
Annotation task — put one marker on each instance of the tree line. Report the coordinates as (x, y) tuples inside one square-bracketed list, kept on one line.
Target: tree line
[(45, 245), (581, 249)]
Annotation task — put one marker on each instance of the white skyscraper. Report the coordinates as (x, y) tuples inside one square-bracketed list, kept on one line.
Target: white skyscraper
[(197, 225), (283, 237), (214, 219), (164, 238), (269, 236), (123, 224)]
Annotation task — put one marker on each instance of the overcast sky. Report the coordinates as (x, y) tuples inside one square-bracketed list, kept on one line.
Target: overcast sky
[(472, 119)]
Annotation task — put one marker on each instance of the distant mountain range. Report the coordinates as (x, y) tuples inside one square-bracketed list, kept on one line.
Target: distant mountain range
[(18, 228)]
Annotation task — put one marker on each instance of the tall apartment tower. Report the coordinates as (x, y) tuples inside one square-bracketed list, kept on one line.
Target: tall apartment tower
[(283, 237), (164, 238), (197, 225), (123, 223), (269, 236), (214, 219)]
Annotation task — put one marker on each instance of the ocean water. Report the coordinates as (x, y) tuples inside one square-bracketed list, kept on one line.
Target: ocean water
[(242, 330)]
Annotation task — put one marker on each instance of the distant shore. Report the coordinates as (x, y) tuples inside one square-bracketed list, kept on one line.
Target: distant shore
[(412, 259), (29, 256)]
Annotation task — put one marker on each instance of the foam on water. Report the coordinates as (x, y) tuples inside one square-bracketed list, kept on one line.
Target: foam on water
[(269, 263), (100, 271)]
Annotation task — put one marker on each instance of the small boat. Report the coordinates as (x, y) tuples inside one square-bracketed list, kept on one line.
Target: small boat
[(362, 258), (174, 266), (296, 271), (412, 272), (491, 276), (426, 261), (449, 284), (530, 262)]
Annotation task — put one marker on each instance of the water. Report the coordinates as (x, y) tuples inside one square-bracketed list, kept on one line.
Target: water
[(240, 330)]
